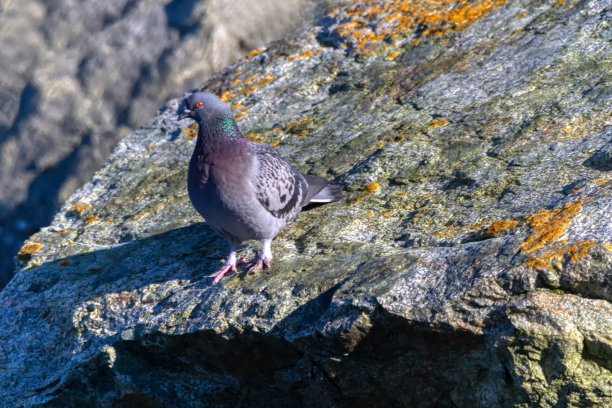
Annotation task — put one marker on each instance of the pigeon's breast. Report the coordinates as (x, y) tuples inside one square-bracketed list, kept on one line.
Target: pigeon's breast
[(222, 190)]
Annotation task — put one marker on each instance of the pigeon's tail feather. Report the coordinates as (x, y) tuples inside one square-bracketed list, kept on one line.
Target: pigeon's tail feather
[(329, 194), (320, 191)]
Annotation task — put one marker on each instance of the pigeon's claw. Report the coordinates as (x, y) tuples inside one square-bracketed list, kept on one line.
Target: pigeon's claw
[(222, 272), (258, 265)]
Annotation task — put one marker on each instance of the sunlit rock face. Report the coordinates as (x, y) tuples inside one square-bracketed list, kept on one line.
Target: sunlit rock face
[(470, 264), (78, 76)]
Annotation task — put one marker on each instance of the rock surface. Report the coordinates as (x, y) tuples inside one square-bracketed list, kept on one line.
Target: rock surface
[(471, 264), (77, 76)]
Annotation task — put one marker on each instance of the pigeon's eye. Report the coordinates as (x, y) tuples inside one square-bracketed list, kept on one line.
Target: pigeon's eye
[(198, 105)]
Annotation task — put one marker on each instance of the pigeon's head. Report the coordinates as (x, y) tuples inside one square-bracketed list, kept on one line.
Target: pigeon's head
[(204, 106)]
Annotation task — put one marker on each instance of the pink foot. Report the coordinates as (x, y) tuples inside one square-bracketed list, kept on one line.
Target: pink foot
[(222, 272), (257, 266)]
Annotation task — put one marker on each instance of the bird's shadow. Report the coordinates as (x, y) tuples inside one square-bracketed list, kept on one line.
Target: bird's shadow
[(190, 253)]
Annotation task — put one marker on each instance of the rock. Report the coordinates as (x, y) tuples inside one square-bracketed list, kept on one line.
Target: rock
[(77, 76), (470, 265)]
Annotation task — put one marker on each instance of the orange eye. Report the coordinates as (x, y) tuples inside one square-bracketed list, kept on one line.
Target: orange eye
[(198, 105)]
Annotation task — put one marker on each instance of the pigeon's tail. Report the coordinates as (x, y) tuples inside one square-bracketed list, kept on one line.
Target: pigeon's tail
[(321, 192), (329, 194)]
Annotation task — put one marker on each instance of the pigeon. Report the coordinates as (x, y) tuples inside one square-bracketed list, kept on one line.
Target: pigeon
[(244, 190)]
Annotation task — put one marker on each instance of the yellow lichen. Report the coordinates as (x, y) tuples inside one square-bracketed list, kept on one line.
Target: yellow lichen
[(302, 133), (226, 96), (601, 182), (521, 16), (393, 55), (249, 90), (236, 106), (373, 187), (296, 124), (500, 227), (555, 258), (149, 147), (79, 208), (254, 137), (191, 131), (373, 23), (92, 219), (256, 52), (370, 213), (439, 123), (241, 115), (26, 252), (401, 194), (250, 80), (277, 129), (62, 232), (548, 226), (236, 81)]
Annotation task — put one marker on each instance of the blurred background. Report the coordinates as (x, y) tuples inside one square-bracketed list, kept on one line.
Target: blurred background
[(76, 76)]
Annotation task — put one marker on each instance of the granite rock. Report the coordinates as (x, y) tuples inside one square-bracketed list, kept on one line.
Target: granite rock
[(77, 76), (470, 265)]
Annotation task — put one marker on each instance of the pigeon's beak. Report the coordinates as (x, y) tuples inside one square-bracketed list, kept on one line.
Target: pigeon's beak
[(185, 114)]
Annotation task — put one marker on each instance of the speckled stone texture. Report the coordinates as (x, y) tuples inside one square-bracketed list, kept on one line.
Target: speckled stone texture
[(470, 265), (76, 76)]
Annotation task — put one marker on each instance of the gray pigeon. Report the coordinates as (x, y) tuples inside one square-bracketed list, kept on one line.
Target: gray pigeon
[(244, 190)]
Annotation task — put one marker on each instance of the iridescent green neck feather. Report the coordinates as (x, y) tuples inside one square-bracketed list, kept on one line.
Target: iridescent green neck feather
[(228, 126)]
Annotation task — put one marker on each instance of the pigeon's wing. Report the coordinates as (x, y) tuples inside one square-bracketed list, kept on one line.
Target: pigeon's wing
[(279, 188)]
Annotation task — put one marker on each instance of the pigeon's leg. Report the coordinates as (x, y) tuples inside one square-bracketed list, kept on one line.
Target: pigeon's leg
[(264, 260), (230, 264)]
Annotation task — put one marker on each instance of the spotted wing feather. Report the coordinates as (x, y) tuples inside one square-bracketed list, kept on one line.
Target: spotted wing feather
[(279, 188)]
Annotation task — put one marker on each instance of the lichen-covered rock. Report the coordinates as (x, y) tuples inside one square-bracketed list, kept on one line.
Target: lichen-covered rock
[(471, 264), (77, 75)]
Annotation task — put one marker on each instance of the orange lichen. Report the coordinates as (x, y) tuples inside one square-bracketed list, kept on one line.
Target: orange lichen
[(149, 147), (379, 145), (548, 226), (250, 80), (499, 227), (236, 81), (373, 22), (191, 131), (401, 194), (92, 219), (226, 96), (62, 232), (393, 55), (236, 106), (254, 137), (601, 182), (241, 116), (79, 208), (438, 123), (237, 73), (275, 143), (559, 3), (256, 52), (373, 187), (296, 124), (267, 79), (291, 58), (249, 90), (552, 259), (521, 16), (302, 133), (26, 252)]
